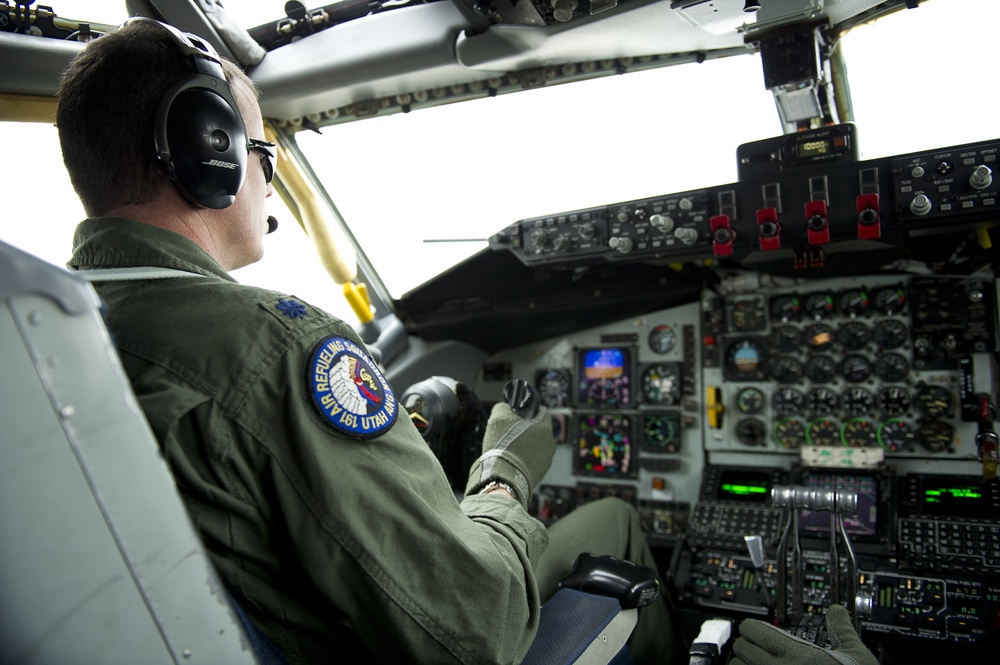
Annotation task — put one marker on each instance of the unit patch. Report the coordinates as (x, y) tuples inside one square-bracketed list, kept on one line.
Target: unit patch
[(349, 391)]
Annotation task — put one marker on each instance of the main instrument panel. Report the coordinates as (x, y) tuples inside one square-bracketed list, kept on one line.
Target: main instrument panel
[(873, 385)]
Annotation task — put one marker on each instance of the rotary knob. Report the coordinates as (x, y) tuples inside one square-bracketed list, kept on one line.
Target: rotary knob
[(982, 177), (686, 235), (622, 244), (920, 205), (662, 223)]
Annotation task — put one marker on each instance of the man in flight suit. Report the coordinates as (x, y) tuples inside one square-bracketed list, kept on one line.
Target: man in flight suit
[(325, 513)]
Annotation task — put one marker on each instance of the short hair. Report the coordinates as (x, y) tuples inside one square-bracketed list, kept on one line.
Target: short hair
[(108, 98)]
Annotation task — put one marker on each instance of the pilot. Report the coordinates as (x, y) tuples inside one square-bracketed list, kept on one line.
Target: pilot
[(327, 517)]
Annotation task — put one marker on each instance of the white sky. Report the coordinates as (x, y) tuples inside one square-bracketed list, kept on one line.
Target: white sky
[(399, 179)]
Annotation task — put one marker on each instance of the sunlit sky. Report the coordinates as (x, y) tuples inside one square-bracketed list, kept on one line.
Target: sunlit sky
[(916, 84)]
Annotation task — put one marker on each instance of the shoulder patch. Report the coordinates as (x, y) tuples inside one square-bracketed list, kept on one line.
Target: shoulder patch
[(348, 390)]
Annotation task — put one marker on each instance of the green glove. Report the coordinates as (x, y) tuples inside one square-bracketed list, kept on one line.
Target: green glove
[(762, 644), (516, 451)]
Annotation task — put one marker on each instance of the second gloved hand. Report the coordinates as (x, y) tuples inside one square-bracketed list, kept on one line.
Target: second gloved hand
[(516, 450), (763, 644)]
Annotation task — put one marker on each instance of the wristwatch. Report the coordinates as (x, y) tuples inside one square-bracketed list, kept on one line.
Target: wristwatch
[(499, 484)]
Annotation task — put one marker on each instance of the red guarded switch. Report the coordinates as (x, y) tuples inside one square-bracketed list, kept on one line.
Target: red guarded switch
[(817, 223), (869, 219), (768, 229), (722, 235)]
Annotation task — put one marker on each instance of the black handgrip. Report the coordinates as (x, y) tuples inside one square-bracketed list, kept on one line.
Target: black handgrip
[(522, 398)]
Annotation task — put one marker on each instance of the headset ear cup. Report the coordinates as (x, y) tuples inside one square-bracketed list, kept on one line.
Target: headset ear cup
[(207, 145)]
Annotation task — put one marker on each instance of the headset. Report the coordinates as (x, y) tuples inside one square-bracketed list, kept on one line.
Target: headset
[(199, 135)]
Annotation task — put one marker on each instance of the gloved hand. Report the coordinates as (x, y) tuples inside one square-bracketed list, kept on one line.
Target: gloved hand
[(516, 450), (762, 644)]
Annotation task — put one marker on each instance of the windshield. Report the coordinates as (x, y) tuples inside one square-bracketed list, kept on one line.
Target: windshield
[(422, 191)]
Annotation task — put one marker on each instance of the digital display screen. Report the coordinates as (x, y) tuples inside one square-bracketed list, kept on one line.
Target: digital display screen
[(744, 486), (953, 499), (814, 148), (605, 446), (864, 525), (604, 377)]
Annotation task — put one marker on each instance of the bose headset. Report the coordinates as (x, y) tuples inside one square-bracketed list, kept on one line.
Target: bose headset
[(200, 138)]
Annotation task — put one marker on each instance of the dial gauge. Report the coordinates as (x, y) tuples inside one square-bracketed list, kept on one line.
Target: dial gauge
[(662, 339), (934, 401), (553, 387), (821, 369), (894, 401), (853, 335), (785, 308), (818, 336), (789, 433), (890, 300), (858, 433), (857, 402), (661, 432), (786, 338), (661, 384), (822, 432), (818, 305), (785, 369), (750, 400), (895, 435), (855, 368), (853, 302), (891, 367), (936, 435), (787, 402), (890, 334), (745, 360), (751, 432), (821, 401)]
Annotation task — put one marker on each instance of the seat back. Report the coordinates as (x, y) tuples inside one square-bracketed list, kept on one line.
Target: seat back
[(99, 562)]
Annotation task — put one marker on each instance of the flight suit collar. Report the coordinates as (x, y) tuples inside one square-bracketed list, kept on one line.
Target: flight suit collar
[(120, 242)]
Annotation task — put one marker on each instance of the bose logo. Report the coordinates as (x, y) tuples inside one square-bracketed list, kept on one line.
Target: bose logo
[(217, 162)]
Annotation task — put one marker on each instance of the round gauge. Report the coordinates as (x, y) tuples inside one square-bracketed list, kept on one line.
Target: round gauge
[(747, 315), (936, 435), (818, 305), (785, 308), (857, 402), (891, 367), (553, 387), (855, 368), (852, 303), (894, 401), (889, 300), (858, 433), (818, 336), (895, 436), (750, 400), (662, 339), (662, 432), (934, 401), (661, 384), (890, 334), (789, 433), (603, 391), (751, 432), (785, 369), (785, 338), (821, 369), (787, 402), (821, 401), (853, 335), (745, 360), (822, 432)]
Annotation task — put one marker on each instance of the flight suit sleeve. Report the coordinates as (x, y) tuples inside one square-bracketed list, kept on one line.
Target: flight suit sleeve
[(372, 519)]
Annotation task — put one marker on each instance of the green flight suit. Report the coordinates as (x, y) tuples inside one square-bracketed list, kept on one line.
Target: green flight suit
[(336, 536)]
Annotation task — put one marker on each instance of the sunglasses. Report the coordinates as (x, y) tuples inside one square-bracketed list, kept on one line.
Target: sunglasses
[(268, 156)]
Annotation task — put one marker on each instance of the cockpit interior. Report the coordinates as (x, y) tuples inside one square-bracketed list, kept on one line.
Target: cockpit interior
[(779, 346)]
